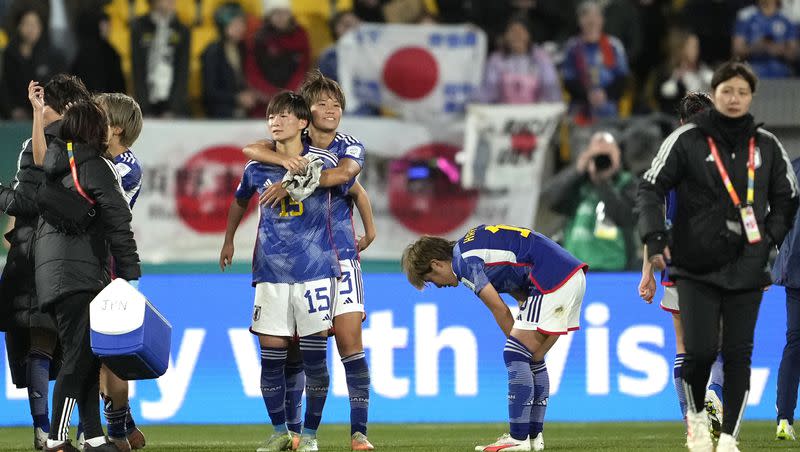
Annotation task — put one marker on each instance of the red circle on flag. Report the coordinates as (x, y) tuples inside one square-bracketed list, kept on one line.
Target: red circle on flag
[(411, 72), (432, 205), (205, 185)]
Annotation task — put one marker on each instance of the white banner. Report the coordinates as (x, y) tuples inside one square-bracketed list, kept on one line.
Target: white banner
[(191, 169), (505, 146), (417, 71)]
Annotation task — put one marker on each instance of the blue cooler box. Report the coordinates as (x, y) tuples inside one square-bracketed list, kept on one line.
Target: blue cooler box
[(128, 333)]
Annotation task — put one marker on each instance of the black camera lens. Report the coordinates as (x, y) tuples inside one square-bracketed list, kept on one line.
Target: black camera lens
[(602, 162)]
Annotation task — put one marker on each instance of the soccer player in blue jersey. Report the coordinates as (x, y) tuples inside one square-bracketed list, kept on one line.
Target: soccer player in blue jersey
[(125, 121), (545, 279), (691, 104), (295, 268), (326, 100)]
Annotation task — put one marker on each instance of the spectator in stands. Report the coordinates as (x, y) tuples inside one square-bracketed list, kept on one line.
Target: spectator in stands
[(712, 21), (97, 63), (595, 68), (279, 55), (520, 72), (369, 10), (160, 61), (225, 91), (27, 57), (621, 20), (597, 195), (683, 72), (766, 38), (550, 21), (341, 23)]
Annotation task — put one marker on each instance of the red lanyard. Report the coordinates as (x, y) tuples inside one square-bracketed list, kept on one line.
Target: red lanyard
[(726, 180)]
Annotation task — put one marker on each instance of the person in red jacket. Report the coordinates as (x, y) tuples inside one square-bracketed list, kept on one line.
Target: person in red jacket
[(278, 54)]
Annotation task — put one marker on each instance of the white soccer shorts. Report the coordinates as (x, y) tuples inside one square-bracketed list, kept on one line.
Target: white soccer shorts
[(557, 312), (351, 288), (287, 309), (669, 302)]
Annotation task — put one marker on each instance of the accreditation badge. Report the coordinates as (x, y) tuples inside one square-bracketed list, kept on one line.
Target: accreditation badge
[(750, 224)]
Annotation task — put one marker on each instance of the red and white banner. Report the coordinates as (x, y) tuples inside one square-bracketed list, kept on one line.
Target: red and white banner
[(191, 169), (418, 72)]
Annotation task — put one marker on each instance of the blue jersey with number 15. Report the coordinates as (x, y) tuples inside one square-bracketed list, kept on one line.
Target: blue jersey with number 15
[(294, 242)]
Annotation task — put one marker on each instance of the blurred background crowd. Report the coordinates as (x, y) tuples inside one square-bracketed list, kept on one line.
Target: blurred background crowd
[(620, 66)]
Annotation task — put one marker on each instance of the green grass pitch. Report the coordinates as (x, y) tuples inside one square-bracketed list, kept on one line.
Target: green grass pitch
[(626, 436)]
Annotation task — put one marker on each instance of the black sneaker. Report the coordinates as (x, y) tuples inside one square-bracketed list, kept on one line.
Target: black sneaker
[(106, 447), (63, 447)]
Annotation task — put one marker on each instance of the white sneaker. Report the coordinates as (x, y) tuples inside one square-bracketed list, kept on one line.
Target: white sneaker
[(785, 430), (537, 443), (506, 443), (714, 411), (307, 443), (39, 438), (698, 438), (727, 443)]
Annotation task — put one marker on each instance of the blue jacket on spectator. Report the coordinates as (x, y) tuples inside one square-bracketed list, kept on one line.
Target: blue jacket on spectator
[(786, 270)]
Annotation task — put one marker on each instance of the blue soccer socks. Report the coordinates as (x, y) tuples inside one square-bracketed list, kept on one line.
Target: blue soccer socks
[(520, 387), (38, 371), (315, 350), (357, 375), (677, 375), (541, 394), (273, 384), (295, 383)]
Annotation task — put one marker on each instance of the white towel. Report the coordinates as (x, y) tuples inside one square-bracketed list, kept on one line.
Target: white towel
[(300, 186)]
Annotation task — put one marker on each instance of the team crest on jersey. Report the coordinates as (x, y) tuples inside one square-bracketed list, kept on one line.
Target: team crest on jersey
[(256, 313), (353, 151)]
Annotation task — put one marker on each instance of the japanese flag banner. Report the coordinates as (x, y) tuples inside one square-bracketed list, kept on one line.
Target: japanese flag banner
[(417, 72)]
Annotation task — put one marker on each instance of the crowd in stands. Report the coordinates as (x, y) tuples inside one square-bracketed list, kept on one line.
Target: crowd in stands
[(226, 58), (606, 59)]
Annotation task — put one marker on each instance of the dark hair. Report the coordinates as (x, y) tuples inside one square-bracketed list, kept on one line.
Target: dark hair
[(85, 122), (316, 85), (516, 19), (692, 104), (734, 68), (16, 19), (339, 15), (225, 14), (288, 101), (64, 89)]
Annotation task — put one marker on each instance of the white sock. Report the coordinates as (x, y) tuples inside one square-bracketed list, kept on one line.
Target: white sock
[(96, 441), (51, 443)]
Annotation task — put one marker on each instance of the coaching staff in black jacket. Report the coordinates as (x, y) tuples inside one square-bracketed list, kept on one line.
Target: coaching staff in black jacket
[(721, 237), (73, 267)]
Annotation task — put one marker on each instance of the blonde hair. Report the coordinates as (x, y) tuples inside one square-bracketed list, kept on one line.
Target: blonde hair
[(123, 112), (417, 257)]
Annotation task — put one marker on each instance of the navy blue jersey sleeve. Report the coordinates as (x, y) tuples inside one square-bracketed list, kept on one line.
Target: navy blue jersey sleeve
[(246, 188), (470, 272)]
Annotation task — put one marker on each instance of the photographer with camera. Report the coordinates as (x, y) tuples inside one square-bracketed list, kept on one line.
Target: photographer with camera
[(598, 196)]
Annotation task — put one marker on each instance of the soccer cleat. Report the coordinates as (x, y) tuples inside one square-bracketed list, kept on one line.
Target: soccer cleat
[(359, 441), (699, 436), (507, 443), (276, 442), (136, 439), (63, 447), (727, 443), (307, 443), (295, 440), (105, 447), (785, 430), (714, 411), (537, 443), (80, 439), (121, 444), (39, 438)]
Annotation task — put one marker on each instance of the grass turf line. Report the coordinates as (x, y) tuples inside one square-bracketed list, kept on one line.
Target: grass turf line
[(623, 436)]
